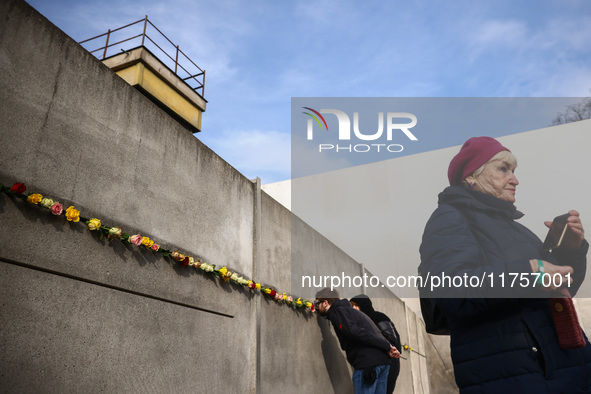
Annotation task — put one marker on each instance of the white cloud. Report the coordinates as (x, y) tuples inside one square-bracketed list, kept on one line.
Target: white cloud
[(495, 35), (563, 36), (572, 81), (254, 152)]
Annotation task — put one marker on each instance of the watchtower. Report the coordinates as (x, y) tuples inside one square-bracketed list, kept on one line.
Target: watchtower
[(173, 82)]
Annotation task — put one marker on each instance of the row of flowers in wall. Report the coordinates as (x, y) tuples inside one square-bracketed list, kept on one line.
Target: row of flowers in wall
[(73, 215)]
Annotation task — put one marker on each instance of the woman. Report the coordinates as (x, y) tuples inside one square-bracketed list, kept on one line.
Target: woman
[(363, 303), (500, 344)]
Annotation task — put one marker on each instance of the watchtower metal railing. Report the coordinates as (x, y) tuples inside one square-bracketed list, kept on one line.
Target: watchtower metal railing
[(195, 77)]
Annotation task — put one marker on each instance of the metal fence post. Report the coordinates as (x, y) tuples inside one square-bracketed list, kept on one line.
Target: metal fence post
[(145, 26), (106, 44)]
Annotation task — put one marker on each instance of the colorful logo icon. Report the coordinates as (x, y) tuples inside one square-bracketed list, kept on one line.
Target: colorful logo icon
[(315, 118)]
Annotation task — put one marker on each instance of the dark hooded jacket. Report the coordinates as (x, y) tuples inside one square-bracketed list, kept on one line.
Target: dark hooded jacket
[(358, 335), (388, 330), (507, 342), (381, 320)]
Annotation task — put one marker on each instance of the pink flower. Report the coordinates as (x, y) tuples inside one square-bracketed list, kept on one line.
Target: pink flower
[(56, 209), (136, 239), (155, 247)]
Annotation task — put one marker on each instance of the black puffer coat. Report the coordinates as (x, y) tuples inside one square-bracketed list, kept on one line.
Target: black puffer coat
[(500, 345), (359, 337), (388, 329)]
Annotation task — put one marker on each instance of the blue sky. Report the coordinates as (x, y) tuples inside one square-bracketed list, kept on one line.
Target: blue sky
[(261, 53)]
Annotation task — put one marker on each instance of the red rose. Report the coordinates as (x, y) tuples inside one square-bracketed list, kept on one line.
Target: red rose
[(18, 188), (272, 293), (186, 261)]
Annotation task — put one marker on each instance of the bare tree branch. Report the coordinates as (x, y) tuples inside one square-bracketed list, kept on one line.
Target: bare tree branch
[(574, 112)]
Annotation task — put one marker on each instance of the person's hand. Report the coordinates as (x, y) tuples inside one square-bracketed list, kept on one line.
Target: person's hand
[(553, 275), (575, 234), (393, 352)]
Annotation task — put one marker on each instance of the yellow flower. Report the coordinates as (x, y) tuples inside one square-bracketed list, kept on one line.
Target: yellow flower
[(225, 274), (73, 215), (35, 198), (147, 242), (299, 302), (267, 290), (308, 304), (93, 224), (258, 286)]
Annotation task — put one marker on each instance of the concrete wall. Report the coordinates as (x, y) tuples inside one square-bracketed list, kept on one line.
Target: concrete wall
[(83, 314)]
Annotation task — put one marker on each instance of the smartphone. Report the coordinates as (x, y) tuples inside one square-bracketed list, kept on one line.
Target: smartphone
[(556, 233)]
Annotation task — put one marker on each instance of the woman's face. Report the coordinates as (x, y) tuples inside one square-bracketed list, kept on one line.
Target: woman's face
[(497, 179)]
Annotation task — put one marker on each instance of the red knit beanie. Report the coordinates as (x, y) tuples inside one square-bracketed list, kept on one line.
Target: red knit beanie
[(474, 153)]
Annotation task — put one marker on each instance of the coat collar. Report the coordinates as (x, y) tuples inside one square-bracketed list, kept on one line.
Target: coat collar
[(462, 197)]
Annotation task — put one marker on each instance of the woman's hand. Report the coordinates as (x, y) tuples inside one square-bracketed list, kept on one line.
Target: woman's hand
[(575, 234), (564, 271)]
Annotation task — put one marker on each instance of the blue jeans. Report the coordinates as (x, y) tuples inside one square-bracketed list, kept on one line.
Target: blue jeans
[(378, 387)]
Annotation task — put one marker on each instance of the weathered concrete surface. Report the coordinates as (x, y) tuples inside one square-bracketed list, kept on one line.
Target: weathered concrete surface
[(68, 336), (439, 365), (80, 314)]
